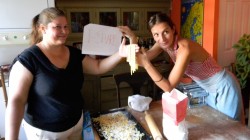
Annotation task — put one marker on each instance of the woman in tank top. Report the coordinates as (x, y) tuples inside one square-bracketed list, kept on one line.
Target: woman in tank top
[(190, 59)]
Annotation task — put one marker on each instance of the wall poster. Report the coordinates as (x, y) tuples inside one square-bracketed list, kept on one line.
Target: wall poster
[(192, 19)]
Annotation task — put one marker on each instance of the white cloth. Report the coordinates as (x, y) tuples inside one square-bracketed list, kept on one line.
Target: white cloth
[(139, 102), (33, 133)]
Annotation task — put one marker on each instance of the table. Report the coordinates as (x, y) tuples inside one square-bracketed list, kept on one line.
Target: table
[(203, 123)]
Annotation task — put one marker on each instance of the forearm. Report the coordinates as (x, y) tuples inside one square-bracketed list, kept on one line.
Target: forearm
[(13, 119), (154, 52), (109, 63), (158, 78)]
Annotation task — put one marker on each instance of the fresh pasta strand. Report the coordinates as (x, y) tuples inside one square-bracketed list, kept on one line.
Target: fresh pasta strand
[(131, 59)]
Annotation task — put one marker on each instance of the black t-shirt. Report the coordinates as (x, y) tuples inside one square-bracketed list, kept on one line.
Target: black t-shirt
[(54, 102)]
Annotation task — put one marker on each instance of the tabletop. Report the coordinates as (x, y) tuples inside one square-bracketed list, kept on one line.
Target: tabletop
[(202, 122)]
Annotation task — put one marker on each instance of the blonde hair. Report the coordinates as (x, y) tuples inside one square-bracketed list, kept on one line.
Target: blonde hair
[(45, 17)]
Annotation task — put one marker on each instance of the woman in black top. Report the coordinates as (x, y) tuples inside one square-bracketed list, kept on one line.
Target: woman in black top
[(46, 79)]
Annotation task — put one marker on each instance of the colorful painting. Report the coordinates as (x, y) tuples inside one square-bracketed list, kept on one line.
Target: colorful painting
[(192, 19)]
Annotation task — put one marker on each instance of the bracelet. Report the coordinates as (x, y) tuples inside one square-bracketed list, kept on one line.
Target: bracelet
[(160, 79)]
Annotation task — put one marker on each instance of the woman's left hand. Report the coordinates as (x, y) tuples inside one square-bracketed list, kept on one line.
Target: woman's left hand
[(126, 31), (123, 52)]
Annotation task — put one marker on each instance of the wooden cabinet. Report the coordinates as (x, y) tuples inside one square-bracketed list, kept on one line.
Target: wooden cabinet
[(133, 13), (135, 18), (99, 92), (108, 93), (91, 93)]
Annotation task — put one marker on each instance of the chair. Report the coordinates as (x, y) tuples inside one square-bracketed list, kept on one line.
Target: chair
[(4, 70), (135, 81)]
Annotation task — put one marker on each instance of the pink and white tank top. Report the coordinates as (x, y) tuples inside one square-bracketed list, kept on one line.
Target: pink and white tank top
[(198, 70), (202, 70)]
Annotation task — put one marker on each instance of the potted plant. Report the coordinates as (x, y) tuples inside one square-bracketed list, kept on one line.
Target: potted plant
[(242, 63)]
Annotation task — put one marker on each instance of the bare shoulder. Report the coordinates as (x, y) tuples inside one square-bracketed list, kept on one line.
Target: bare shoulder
[(193, 49), (189, 44), (183, 41), (184, 45)]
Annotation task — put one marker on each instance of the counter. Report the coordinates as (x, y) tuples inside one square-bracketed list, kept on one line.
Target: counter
[(202, 122)]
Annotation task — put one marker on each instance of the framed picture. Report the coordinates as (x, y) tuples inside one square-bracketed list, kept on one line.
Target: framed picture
[(78, 21), (78, 18), (131, 19), (108, 16)]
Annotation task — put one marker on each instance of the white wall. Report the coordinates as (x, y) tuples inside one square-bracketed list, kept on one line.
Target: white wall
[(234, 21)]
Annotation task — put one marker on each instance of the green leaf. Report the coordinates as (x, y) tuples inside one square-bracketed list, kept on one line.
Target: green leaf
[(243, 83), (237, 46), (248, 55), (243, 76), (242, 62)]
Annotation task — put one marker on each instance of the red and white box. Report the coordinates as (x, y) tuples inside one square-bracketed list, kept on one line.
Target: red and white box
[(174, 105)]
